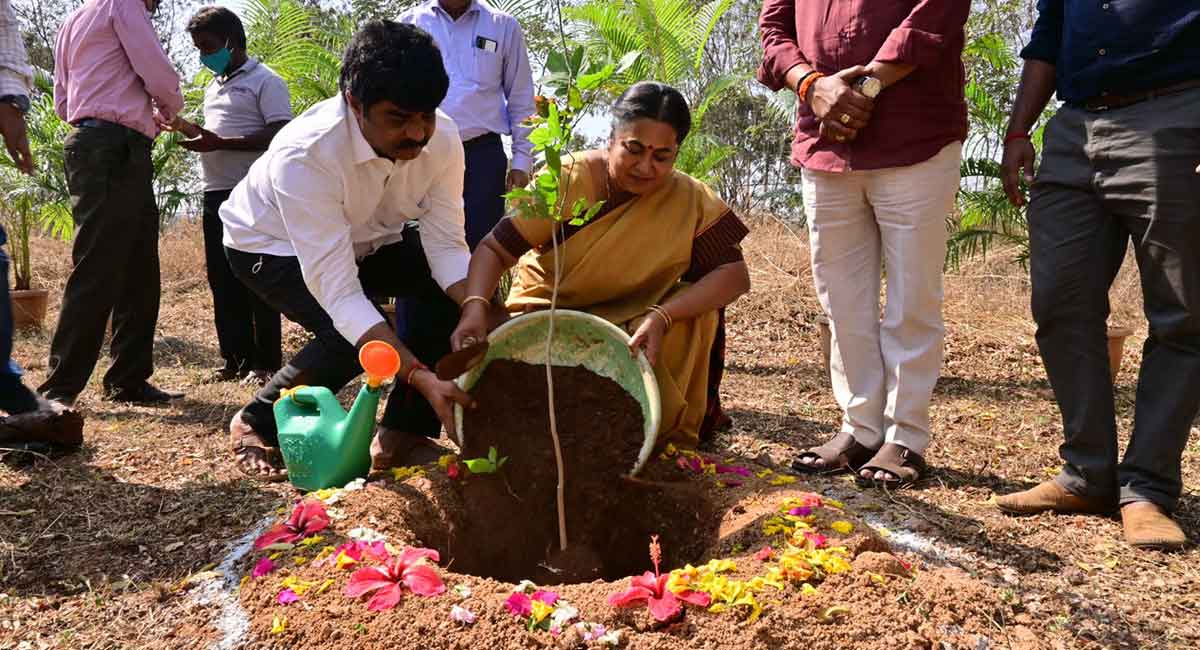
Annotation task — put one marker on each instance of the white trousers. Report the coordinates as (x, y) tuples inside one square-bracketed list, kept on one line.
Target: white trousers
[(860, 222)]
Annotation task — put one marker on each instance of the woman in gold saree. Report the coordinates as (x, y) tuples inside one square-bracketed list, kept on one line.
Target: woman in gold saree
[(660, 260)]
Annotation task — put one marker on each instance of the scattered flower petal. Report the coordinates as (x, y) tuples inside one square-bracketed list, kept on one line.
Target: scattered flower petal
[(263, 567), (843, 527), (461, 615), (765, 554), (519, 605), (278, 624), (462, 590), (307, 518), (802, 511), (287, 597), (548, 597)]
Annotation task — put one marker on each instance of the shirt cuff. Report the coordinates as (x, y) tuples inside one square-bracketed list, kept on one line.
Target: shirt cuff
[(353, 316), (450, 267), (772, 72), (1041, 50), (909, 46), (522, 161)]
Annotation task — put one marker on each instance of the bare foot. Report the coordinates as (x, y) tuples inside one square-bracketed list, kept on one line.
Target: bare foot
[(395, 448), (254, 457)]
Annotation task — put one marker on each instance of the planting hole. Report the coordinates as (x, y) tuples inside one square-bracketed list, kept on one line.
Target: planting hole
[(504, 525)]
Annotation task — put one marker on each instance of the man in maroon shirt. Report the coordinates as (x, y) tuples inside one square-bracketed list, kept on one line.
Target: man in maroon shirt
[(879, 135)]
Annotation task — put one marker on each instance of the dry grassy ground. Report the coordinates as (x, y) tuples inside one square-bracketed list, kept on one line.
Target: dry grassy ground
[(94, 547)]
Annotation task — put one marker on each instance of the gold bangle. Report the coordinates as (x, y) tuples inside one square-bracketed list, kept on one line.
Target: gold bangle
[(662, 313), (471, 299)]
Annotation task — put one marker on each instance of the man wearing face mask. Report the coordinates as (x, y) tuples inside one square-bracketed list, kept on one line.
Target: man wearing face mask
[(112, 82), (319, 224), (245, 105)]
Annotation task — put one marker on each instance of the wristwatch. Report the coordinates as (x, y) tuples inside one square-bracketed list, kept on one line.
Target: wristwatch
[(869, 86), (19, 102)]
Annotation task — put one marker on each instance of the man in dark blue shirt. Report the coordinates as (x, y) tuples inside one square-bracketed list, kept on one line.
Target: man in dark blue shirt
[(1119, 164)]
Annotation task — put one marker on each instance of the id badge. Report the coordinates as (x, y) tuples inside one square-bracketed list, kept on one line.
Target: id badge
[(486, 44)]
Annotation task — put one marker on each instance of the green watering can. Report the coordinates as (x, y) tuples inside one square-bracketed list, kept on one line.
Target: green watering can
[(324, 446)]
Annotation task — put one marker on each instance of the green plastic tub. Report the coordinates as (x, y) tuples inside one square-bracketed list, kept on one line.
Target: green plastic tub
[(580, 339)]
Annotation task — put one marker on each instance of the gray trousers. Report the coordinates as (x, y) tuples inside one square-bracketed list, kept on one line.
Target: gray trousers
[(1106, 179)]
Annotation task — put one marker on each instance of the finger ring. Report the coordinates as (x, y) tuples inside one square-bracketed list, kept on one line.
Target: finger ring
[(468, 341), (845, 118), (839, 138)]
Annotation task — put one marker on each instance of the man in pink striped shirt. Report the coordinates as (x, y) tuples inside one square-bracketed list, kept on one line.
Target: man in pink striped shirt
[(114, 83)]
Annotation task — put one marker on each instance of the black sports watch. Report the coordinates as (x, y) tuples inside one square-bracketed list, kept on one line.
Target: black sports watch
[(19, 102)]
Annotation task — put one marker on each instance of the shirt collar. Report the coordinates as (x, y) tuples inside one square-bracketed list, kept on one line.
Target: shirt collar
[(250, 64), (437, 8), (362, 150)]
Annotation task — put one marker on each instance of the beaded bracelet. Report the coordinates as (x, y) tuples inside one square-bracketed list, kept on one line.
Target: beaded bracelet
[(805, 85)]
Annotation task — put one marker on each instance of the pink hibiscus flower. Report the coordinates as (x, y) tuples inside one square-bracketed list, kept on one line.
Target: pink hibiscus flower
[(651, 588), (307, 518), (387, 582)]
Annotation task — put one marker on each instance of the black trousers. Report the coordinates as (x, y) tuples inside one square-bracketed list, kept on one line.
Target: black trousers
[(1106, 179), (248, 330), (115, 255), (484, 186), (396, 270)]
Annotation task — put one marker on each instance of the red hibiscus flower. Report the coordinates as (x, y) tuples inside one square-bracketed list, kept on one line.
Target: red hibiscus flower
[(387, 582), (651, 588), (307, 518)]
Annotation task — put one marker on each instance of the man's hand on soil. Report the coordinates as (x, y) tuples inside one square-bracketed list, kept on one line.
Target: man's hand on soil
[(442, 396)]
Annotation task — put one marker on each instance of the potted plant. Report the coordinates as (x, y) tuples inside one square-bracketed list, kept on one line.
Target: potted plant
[(35, 205)]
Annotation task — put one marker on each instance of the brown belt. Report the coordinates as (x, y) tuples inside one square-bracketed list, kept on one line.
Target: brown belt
[(1110, 102)]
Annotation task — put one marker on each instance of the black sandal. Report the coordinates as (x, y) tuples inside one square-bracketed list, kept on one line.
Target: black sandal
[(901, 462), (841, 454)]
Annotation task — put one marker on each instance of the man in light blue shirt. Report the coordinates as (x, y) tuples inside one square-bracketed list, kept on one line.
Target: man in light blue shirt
[(491, 93)]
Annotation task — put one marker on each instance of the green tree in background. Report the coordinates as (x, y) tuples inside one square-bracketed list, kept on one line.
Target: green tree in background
[(984, 217)]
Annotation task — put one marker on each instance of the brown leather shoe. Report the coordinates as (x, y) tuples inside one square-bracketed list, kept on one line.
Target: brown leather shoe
[(1147, 526), (1052, 497)]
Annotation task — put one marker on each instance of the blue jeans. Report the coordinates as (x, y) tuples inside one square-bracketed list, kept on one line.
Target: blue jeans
[(15, 397)]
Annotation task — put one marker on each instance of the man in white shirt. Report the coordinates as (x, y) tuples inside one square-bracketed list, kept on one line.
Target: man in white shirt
[(245, 105), (318, 225)]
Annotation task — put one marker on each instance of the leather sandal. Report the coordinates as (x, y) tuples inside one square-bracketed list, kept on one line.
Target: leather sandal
[(248, 446), (906, 465), (842, 453)]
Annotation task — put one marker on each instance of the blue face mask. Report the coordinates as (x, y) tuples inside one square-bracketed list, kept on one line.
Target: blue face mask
[(218, 61)]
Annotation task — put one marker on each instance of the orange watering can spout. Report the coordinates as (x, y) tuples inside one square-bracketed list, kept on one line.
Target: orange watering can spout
[(380, 361)]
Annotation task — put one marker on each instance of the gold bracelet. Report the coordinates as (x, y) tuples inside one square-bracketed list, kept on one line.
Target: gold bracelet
[(471, 299), (662, 313)]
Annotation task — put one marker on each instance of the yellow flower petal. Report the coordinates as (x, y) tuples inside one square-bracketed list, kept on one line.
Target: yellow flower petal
[(325, 552), (808, 590), (541, 611), (444, 461), (299, 560), (783, 480), (843, 527), (312, 541), (325, 586), (278, 624), (834, 503), (401, 474), (764, 474), (344, 560)]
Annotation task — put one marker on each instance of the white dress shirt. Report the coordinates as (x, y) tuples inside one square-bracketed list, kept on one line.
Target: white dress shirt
[(323, 195), (491, 84)]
